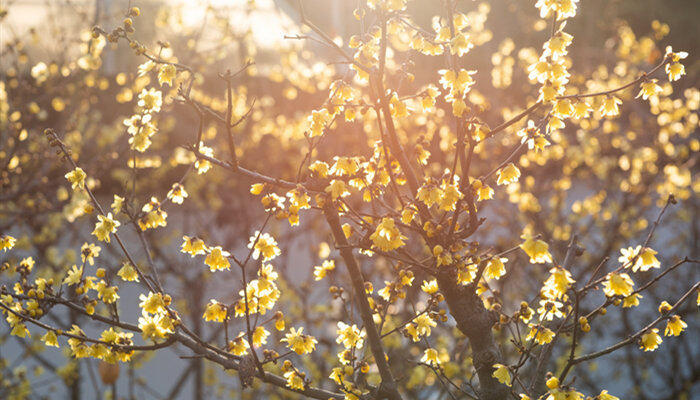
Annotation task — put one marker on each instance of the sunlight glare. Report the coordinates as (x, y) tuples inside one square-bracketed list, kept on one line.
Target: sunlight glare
[(266, 22)]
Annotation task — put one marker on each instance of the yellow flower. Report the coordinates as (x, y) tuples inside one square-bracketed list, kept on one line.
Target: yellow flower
[(647, 260), (88, 253), (459, 106), (457, 82), (294, 380), (631, 301), (320, 168), (166, 74), (347, 230), (675, 69), (664, 307), (321, 271), (193, 246), (649, 89), (540, 333), (117, 204), (430, 356), (146, 67), (203, 165), (429, 194), (552, 383), (108, 294), (337, 375), (387, 236), (610, 106), (539, 70), (139, 122), (150, 100), (20, 330), (128, 273), (298, 342), (549, 309), (74, 275), (460, 44), (581, 110), (421, 326), (7, 242), (618, 285), (604, 395), (443, 257), (265, 246), (564, 8), (299, 198), (675, 326), (430, 287), (421, 154), (537, 250), (154, 217), (318, 120), (450, 196), (349, 335), (177, 193), (549, 91), (77, 178), (260, 335), (563, 108), (215, 311), (532, 135), (217, 259), (502, 374), (50, 339), (337, 188), (485, 192), (508, 174), (238, 346), (558, 282), (153, 303), (651, 340), (105, 226), (141, 141), (257, 188), (556, 46), (279, 322), (152, 326), (495, 268), (344, 166)]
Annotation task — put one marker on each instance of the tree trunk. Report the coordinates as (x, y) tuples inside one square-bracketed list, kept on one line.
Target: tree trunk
[(475, 322)]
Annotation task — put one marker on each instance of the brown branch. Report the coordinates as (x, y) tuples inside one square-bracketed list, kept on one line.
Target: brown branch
[(637, 335), (388, 387)]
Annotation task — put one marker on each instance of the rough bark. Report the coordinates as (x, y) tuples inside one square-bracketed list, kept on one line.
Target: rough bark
[(475, 322)]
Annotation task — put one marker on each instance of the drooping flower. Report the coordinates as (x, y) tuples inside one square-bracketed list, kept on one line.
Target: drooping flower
[(675, 326), (76, 178), (502, 374), (651, 340), (430, 356), (387, 236), (618, 284), (537, 250), (105, 225), (508, 174)]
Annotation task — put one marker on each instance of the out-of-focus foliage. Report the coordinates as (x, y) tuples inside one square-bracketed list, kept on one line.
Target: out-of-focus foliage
[(383, 198)]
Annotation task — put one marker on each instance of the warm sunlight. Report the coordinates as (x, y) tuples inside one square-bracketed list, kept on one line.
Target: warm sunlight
[(266, 21), (349, 199)]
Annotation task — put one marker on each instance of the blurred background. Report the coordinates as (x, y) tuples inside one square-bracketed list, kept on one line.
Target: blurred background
[(614, 174)]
